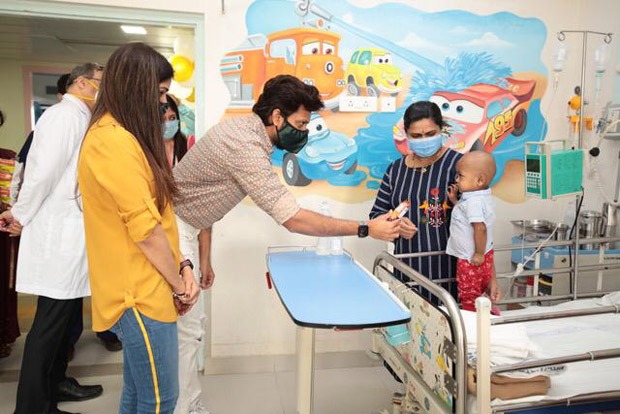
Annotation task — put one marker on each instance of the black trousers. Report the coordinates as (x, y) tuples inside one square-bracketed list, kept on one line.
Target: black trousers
[(45, 355), (76, 326)]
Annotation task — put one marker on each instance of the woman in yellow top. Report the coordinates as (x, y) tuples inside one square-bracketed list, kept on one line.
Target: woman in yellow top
[(138, 281)]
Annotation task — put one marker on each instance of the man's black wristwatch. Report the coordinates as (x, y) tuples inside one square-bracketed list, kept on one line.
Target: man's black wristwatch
[(362, 230)]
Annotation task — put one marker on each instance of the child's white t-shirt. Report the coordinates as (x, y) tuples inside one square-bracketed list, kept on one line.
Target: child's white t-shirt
[(473, 207)]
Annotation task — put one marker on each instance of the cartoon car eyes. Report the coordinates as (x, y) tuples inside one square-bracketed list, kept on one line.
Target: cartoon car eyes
[(316, 126), (384, 59), (459, 110), (313, 48)]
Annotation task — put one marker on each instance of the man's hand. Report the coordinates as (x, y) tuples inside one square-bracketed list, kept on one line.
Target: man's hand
[(207, 276), (6, 219), (9, 224), (407, 229), (381, 228), (453, 194), (477, 259)]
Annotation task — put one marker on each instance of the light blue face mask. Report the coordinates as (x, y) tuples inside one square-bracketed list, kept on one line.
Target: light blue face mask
[(426, 147), (170, 129)]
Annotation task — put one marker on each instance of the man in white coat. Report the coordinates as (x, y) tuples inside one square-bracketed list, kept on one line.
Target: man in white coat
[(52, 256)]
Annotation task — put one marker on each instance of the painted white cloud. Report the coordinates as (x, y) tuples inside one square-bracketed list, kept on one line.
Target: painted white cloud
[(488, 40), (417, 43), (347, 18), (460, 30)]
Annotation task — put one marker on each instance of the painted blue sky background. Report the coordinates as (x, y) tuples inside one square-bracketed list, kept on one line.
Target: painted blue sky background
[(446, 51), (512, 40)]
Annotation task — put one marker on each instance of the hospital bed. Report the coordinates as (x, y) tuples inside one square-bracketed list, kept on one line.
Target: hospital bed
[(581, 338)]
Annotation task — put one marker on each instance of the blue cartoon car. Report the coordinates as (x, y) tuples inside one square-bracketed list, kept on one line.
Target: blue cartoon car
[(328, 155)]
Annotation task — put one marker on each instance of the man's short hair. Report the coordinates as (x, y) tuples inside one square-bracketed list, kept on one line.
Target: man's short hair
[(61, 84), (86, 70), (286, 93)]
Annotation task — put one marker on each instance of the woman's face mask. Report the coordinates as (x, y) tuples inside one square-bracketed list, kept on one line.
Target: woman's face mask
[(170, 129), (290, 138), (426, 147)]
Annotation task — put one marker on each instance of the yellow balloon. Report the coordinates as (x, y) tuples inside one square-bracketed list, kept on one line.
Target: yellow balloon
[(192, 96), (183, 67)]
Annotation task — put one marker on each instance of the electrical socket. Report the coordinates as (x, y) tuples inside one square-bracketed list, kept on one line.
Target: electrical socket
[(358, 104), (388, 104)]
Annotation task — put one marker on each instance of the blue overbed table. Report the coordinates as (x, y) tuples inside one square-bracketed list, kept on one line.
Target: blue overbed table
[(327, 292)]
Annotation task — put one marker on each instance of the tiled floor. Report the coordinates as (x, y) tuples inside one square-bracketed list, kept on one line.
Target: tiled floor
[(337, 391)]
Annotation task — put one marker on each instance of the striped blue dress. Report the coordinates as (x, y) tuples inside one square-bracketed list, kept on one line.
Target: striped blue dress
[(429, 211)]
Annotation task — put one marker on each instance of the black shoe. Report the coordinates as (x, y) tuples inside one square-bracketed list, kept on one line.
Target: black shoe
[(113, 345), (57, 411), (71, 390)]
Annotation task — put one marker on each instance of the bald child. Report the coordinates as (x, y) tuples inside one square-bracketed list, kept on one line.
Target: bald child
[(471, 228)]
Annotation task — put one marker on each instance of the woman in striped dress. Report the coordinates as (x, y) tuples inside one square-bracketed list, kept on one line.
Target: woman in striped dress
[(422, 177)]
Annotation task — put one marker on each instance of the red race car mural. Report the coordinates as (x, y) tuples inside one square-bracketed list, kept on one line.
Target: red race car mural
[(482, 115)]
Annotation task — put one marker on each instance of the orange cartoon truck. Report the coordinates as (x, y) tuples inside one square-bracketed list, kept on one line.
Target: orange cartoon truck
[(307, 53)]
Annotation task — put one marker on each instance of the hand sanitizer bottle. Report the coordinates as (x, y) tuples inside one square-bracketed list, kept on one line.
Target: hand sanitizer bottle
[(336, 246), (323, 245)]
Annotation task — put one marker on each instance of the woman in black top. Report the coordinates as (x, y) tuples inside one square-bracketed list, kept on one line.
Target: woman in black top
[(422, 177)]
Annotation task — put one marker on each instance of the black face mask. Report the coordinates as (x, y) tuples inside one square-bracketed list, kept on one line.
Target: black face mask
[(290, 138)]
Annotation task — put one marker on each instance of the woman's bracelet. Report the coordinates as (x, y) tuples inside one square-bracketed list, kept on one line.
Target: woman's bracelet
[(178, 295), (184, 264)]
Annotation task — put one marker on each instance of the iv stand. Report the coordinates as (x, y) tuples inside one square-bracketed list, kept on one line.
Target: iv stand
[(561, 38)]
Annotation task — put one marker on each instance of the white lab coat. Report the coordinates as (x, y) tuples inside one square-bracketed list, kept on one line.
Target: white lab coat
[(52, 252)]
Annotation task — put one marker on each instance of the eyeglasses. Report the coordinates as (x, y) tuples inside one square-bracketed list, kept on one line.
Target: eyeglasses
[(97, 79)]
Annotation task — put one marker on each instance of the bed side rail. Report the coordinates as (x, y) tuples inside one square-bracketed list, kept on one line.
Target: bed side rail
[(598, 397), (483, 385), (385, 263)]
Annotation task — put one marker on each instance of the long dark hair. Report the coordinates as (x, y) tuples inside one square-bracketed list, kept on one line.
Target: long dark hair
[(180, 140), (130, 93), (423, 110)]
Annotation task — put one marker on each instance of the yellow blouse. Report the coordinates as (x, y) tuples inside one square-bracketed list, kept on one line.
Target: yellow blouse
[(118, 196)]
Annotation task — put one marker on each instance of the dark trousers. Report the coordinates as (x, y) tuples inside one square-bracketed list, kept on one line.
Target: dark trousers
[(45, 355), (76, 326)]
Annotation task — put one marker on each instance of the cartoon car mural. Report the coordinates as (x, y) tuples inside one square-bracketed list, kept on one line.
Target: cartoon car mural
[(307, 53), (372, 69), (484, 115), (481, 116), (326, 155)]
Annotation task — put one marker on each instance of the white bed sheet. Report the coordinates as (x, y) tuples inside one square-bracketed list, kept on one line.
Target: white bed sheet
[(568, 336)]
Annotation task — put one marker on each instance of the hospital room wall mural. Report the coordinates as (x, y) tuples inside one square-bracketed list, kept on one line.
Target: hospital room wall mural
[(484, 72)]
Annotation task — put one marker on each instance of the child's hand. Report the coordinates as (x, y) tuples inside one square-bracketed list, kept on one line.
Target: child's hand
[(495, 294), (453, 193), (407, 229), (477, 259)]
